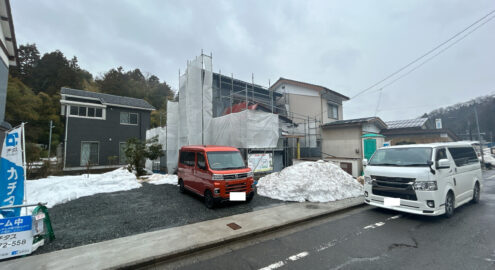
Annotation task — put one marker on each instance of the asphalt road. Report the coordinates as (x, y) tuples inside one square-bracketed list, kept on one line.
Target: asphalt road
[(369, 238)]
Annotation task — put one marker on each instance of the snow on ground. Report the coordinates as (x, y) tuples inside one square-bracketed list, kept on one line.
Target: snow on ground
[(159, 179), (310, 181), (60, 189)]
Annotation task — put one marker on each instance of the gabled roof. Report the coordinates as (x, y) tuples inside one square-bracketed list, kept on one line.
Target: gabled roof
[(306, 85), (107, 99), (356, 122), (410, 123)]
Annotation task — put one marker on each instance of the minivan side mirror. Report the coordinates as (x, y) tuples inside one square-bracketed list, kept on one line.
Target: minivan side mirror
[(443, 164), (365, 162)]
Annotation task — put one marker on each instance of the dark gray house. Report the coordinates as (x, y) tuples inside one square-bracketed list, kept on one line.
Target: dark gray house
[(98, 125), (8, 56)]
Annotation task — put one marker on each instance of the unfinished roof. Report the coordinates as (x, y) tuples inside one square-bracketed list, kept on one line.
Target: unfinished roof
[(410, 123), (306, 85), (107, 99), (356, 122)]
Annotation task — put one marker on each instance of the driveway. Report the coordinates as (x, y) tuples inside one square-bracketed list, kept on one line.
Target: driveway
[(152, 207)]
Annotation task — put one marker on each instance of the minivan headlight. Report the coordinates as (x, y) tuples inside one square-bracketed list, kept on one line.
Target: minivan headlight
[(250, 174), (425, 185), (368, 180), (217, 177)]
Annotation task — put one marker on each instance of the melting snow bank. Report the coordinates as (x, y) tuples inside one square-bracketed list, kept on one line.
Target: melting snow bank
[(310, 181), (60, 189), (159, 179)]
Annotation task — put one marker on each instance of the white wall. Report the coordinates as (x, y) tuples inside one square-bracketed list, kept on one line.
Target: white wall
[(294, 89)]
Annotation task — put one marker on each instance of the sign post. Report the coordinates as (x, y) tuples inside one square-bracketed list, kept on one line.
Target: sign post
[(12, 172)]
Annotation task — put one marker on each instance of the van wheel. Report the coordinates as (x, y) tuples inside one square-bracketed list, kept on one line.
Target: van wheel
[(181, 186), (250, 197), (209, 201), (449, 205), (476, 193)]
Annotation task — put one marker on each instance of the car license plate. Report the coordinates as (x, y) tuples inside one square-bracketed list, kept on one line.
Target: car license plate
[(237, 196), (391, 201)]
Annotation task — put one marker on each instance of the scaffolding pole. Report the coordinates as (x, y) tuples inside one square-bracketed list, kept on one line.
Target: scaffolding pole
[(231, 92)]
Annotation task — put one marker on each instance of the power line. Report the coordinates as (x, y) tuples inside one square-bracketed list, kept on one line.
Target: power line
[(435, 55), (424, 55)]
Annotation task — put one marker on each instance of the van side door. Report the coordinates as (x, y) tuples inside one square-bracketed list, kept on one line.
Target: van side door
[(201, 173), (189, 161), (467, 163), (444, 176)]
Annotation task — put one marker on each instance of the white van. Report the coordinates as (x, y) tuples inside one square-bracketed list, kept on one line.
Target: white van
[(425, 179)]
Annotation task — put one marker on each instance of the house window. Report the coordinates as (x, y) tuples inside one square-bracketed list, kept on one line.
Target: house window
[(128, 118), (333, 111), (86, 112), (89, 153), (82, 111), (74, 110), (122, 157)]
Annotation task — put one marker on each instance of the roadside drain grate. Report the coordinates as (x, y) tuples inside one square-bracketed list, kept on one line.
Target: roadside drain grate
[(234, 226)]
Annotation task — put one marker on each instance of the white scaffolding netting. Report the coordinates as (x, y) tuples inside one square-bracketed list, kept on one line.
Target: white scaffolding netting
[(191, 122), (246, 129)]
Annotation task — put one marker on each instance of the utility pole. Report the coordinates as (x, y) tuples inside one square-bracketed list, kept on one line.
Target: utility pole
[(479, 137), (50, 139)]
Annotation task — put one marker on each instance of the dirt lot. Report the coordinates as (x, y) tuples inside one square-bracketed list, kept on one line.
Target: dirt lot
[(152, 207)]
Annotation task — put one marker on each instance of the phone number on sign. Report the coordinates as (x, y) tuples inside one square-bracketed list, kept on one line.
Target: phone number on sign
[(13, 243)]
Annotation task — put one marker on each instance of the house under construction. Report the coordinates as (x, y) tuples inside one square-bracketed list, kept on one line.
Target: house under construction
[(216, 109)]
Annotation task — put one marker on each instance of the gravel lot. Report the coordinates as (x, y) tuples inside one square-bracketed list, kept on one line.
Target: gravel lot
[(152, 207)]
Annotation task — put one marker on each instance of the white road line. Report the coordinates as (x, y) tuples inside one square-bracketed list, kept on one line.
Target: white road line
[(378, 224), (282, 263), (491, 177), (394, 217), (299, 256), (369, 227), (273, 266)]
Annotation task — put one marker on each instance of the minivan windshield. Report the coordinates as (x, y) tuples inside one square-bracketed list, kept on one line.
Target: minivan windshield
[(413, 156), (225, 160)]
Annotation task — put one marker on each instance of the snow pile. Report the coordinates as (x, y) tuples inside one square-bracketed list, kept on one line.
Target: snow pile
[(310, 181), (60, 189), (159, 179)]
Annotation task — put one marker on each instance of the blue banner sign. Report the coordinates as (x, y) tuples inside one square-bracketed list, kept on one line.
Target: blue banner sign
[(12, 173)]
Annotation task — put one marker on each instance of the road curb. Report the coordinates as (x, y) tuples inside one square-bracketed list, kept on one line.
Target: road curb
[(146, 262), (158, 247)]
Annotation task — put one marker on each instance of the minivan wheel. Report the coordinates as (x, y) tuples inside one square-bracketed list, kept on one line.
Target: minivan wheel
[(181, 186), (209, 201), (250, 197), (476, 193), (449, 205)]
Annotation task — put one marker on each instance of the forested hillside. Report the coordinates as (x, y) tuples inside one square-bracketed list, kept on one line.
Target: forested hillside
[(33, 91), (460, 118)]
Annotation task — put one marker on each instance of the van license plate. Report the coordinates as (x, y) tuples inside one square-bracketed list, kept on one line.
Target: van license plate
[(237, 196), (391, 201)]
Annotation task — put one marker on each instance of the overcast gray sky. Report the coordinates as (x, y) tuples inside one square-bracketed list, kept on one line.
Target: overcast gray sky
[(343, 45)]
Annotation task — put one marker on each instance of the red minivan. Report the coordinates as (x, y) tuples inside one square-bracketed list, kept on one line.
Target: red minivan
[(215, 172)]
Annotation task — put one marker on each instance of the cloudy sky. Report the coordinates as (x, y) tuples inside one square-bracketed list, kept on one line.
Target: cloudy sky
[(346, 46)]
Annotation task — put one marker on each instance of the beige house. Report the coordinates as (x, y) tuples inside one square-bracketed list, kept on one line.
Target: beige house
[(309, 106), (343, 141)]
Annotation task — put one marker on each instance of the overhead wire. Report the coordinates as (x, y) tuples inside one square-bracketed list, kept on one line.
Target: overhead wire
[(425, 54)]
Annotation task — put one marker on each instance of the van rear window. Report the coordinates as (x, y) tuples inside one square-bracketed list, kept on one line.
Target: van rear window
[(463, 156)]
